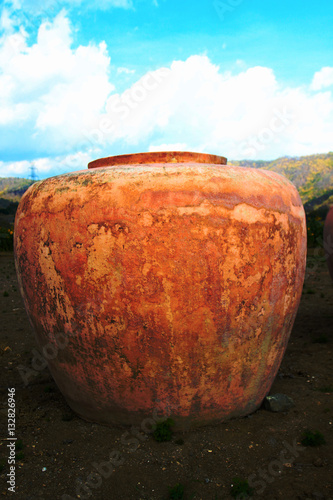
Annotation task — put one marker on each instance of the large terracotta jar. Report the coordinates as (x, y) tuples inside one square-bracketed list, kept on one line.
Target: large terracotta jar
[(164, 281), (328, 240)]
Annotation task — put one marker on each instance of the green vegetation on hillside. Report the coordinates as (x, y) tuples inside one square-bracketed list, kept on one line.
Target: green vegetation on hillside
[(11, 191), (312, 176), (6, 239), (8, 207), (13, 188)]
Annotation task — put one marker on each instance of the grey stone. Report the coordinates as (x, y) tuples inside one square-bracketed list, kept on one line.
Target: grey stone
[(278, 402), (272, 442), (67, 441)]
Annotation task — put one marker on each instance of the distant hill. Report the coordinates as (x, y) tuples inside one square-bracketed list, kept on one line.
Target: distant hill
[(13, 188), (312, 175), (11, 191)]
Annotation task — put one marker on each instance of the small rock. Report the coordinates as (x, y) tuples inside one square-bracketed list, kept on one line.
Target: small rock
[(272, 441), (278, 402)]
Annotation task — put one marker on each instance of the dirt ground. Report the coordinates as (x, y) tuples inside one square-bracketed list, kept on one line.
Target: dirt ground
[(58, 451)]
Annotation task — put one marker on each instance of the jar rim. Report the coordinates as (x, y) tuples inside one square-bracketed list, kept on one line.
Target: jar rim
[(158, 157)]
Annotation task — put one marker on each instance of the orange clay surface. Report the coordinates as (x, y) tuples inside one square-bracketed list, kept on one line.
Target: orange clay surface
[(169, 287)]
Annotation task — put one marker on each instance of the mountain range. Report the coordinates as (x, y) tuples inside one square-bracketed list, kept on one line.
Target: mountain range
[(312, 176)]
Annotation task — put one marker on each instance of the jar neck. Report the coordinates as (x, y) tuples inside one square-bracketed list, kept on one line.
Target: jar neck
[(158, 157)]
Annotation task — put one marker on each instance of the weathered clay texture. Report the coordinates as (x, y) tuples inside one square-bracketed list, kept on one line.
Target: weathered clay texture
[(328, 240), (176, 286)]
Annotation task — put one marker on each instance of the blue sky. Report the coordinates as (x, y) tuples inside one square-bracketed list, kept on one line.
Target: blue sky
[(241, 78)]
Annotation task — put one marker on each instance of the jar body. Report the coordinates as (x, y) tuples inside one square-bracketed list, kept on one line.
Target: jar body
[(162, 287), (328, 240)]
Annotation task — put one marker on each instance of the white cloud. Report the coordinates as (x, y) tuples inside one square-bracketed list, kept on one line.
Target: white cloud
[(177, 146), (56, 100), (247, 114), (46, 8), (322, 78), (52, 90), (6, 23), (15, 169), (127, 71), (46, 166)]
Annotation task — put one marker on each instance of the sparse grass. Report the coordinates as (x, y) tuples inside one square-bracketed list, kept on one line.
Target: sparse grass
[(6, 239), (326, 388), (179, 441), (310, 291), (19, 445), (19, 455), (49, 388), (240, 488), (313, 438), (2, 464), (176, 492), (163, 431), (4, 348), (5, 293)]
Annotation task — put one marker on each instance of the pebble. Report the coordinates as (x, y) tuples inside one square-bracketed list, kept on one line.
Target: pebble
[(278, 402), (272, 441)]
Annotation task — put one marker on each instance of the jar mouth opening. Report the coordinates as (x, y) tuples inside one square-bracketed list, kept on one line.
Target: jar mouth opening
[(158, 157)]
